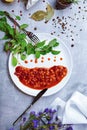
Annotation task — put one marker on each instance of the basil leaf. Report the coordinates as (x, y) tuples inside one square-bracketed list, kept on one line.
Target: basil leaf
[(56, 44), (2, 13), (30, 49), (40, 44), (52, 43), (14, 61), (6, 47), (23, 26), (5, 37), (18, 17), (37, 54), (23, 56), (55, 52), (43, 52)]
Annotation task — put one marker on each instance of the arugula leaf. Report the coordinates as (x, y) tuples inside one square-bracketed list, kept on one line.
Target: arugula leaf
[(23, 26), (14, 61)]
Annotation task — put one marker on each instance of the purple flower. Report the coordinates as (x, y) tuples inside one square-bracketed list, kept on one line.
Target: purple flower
[(11, 128), (50, 111), (46, 110), (54, 111), (40, 113), (51, 128), (69, 128), (32, 113), (60, 124), (35, 123), (24, 119)]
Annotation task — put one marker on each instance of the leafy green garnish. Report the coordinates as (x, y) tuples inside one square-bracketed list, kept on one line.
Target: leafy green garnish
[(37, 54), (2, 13), (17, 44), (23, 26), (55, 52), (40, 44), (14, 61), (18, 17), (23, 56)]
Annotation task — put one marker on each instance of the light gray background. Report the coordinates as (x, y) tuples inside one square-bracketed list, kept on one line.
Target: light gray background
[(13, 101)]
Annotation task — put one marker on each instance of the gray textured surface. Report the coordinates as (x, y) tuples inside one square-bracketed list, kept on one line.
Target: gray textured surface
[(13, 101)]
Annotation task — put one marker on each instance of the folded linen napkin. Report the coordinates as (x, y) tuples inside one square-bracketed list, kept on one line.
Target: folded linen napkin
[(30, 3), (74, 111)]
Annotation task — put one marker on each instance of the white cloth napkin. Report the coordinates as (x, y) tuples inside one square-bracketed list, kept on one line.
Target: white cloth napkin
[(74, 111), (30, 3)]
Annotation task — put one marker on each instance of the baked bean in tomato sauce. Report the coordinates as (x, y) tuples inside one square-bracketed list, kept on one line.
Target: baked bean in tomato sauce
[(40, 78)]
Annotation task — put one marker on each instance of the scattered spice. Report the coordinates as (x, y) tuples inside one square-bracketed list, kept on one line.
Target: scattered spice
[(42, 61), (26, 61), (43, 0), (61, 58), (36, 61), (72, 45), (35, 28), (31, 60), (12, 10), (20, 14), (20, 11), (72, 39), (54, 60), (42, 57), (48, 59)]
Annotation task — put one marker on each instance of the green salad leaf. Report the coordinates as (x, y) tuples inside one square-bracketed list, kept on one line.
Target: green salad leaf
[(17, 44)]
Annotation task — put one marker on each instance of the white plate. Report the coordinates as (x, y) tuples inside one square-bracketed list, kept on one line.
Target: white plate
[(67, 62)]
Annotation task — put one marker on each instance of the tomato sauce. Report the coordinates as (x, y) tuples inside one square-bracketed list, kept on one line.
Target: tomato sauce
[(40, 78)]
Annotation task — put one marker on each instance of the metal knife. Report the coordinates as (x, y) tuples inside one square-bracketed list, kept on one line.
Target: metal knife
[(36, 98)]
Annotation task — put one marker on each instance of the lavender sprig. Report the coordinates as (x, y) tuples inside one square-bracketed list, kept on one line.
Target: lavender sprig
[(45, 120)]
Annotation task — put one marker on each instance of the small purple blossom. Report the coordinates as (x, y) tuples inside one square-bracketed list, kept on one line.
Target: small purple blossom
[(69, 128), (11, 128), (46, 110), (32, 113), (24, 119), (51, 128), (40, 113), (60, 124), (35, 123)]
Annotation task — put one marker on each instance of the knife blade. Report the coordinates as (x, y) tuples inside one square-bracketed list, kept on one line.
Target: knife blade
[(36, 98)]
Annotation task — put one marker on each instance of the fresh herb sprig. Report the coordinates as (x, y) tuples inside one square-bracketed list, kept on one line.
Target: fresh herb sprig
[(17, 44)]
